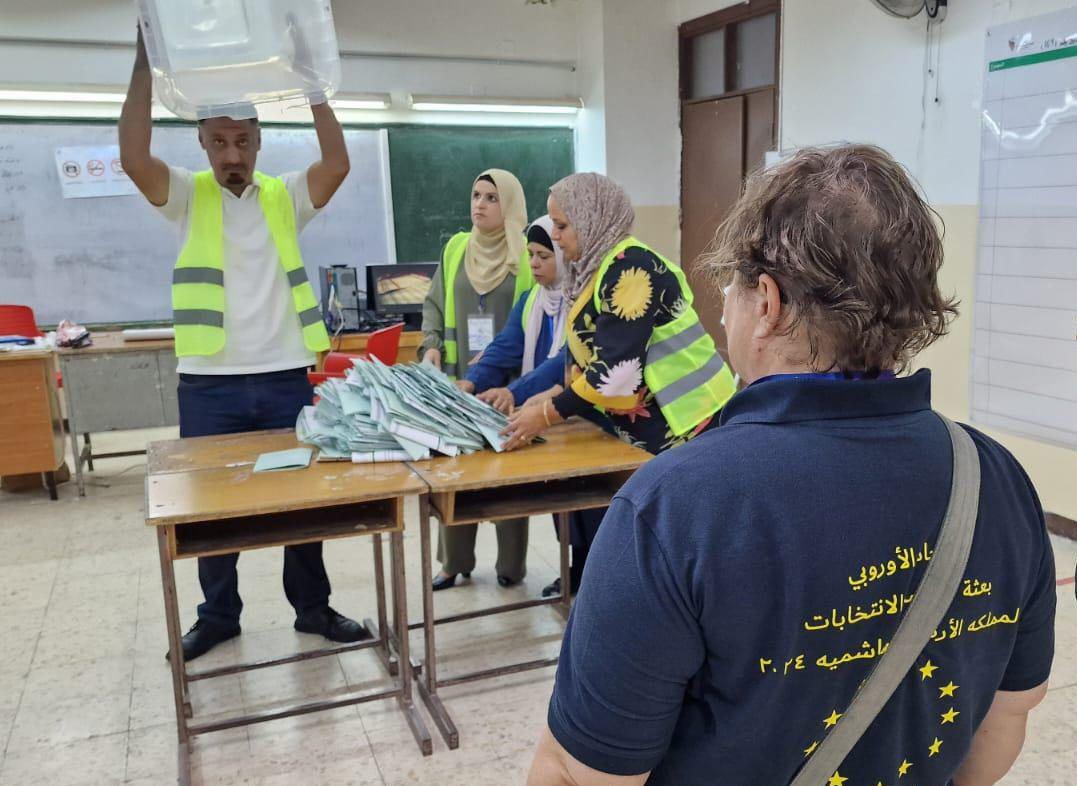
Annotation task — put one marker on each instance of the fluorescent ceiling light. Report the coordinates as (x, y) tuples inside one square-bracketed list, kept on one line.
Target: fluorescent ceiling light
[(56, 96), (566, 106), (373, 101)]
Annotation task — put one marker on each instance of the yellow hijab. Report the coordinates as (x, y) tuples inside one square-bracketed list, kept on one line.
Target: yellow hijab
[(491, 257)]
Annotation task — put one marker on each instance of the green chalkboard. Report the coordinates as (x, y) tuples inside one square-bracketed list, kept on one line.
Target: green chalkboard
[(432, 169)]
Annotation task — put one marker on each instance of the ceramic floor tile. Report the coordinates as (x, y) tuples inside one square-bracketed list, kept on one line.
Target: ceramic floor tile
[(315, 737), (1064, 668), (91, 762), (17, 645), (106, 640), (402, 764), (152, 752), (1049, 757), (38, 724), (27, 587), (81, 680), (291, 682)]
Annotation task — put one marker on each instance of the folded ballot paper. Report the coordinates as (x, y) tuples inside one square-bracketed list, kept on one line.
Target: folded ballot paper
[(396, 413)]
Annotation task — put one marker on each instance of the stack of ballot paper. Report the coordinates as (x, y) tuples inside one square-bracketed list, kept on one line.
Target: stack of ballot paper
[(396, 413)]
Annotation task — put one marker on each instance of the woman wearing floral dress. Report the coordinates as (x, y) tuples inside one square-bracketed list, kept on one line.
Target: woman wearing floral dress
[(640, 361)]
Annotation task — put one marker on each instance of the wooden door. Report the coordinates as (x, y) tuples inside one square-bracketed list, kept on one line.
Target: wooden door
[(713, 170)]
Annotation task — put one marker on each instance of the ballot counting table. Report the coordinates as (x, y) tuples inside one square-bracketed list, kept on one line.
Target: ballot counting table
[(204, 499), (579, 467)]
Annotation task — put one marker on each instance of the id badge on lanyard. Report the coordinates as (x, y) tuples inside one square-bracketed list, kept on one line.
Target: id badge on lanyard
[(480, 329)]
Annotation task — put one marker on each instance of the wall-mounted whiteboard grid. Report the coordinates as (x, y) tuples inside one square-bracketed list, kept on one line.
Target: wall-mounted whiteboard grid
[(1025, 349)]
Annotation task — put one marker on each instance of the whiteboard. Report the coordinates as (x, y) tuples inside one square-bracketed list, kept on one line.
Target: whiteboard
[(1024, 356), (110, 260)]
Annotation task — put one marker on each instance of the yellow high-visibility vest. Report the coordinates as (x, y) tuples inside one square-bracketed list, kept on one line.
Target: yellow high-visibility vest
[(451, 260), (683, 369), (198, 279)]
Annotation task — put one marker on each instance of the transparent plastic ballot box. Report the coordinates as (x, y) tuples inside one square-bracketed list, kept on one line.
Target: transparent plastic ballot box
[(223, 57)]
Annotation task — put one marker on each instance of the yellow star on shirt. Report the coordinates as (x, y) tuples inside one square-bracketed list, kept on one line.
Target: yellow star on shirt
[(934, 747), (948, 717), (927, 671), (948, 690), (904, 768), (836, 780), (833, 719), (811, 749)]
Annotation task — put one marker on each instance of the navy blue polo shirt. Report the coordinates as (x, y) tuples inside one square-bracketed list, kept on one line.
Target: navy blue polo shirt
[(742, 586)]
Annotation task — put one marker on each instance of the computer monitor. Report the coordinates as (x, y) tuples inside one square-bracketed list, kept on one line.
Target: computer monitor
[(398, 289)]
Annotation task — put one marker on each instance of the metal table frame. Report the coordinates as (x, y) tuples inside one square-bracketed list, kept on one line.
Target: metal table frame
[(100, 378), (426, 673), (183, 537), (559, 493)]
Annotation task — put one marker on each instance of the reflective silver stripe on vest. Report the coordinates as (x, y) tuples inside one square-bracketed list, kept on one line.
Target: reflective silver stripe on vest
[(198, 316), (674, 344), (685, 385), (450, 334), (198, 275), (297, 277), (312, 316)]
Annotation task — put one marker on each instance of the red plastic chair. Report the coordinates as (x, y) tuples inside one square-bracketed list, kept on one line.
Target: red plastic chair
[(383, 344), (20, 321)]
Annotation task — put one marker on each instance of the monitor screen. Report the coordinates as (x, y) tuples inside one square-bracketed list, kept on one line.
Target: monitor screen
[(399, 289)]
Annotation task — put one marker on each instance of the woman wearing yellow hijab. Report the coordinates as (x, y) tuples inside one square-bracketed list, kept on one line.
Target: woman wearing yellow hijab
[(482, 274)]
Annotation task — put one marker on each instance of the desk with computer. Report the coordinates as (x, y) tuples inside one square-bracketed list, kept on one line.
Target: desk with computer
[(391, 294)]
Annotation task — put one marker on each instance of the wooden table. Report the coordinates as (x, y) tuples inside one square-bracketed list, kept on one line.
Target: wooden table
[(115, 385), (356, 342), (31, 427), (578, 468), (204, 499)]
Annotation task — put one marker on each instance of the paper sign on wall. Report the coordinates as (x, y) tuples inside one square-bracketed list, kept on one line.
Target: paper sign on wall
[(92, 172)]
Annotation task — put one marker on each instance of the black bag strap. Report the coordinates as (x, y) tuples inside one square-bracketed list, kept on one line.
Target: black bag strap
[(933, 598)]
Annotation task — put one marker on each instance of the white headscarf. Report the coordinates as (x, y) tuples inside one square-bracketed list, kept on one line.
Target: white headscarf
[(550, 301)]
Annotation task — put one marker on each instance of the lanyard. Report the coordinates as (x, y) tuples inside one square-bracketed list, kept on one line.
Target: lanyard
[(482, 304)]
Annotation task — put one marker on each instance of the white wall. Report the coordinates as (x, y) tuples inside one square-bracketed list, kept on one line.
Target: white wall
[(687, 10), (870, 86), (643, 146), (442, 29)]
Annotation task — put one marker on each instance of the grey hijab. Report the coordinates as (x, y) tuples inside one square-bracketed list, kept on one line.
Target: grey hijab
[(602, 215)]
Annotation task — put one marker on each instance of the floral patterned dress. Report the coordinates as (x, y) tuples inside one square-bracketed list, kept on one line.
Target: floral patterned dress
[(608, 350)]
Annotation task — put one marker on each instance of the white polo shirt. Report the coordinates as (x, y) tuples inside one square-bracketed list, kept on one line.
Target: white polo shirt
[(262, 332)]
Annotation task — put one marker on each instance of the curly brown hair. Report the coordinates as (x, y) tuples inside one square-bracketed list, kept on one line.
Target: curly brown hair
[(855, 250)]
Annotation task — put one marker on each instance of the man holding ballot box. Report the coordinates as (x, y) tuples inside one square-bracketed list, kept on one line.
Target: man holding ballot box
[(246, 318)]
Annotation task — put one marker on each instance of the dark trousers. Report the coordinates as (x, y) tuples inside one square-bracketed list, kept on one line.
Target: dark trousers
[(582, 529), (232, 404)]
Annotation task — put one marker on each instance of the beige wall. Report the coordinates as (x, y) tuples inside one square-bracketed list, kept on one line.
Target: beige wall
[(659, 227), (1052, 469)]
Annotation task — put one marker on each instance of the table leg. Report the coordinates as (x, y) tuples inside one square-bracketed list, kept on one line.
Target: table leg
[(400, 614), (50, 482), (566, 576), (428, 685), (89, 451), (175, 650), (384, 633), (73, 432)]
